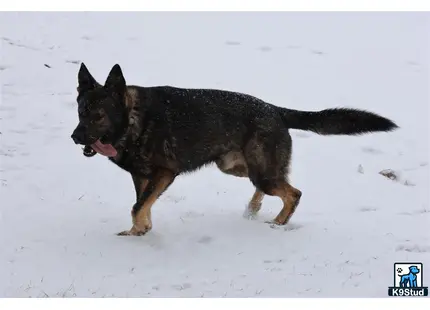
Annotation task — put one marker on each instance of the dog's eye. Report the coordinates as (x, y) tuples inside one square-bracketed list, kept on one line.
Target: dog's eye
[(98, 117), (83, 111)]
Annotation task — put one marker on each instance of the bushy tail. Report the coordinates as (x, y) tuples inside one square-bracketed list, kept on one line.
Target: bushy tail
[(337, 121)]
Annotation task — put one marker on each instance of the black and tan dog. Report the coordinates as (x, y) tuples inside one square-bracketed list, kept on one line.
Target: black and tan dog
[(157, 133)]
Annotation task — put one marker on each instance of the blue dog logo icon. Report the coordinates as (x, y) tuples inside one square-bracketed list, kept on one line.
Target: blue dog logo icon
[(410, 279)]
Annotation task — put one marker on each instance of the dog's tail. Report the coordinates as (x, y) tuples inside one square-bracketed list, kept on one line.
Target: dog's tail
[(337, 121)]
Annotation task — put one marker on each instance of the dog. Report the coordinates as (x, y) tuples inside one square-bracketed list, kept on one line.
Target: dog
[(158, 133), (410, 278)]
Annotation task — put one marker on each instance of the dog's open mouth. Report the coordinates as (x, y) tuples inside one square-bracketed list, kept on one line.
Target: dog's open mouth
[(98, 147), (88, 151)]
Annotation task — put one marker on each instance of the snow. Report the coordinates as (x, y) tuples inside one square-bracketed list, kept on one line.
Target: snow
[(60, 211)]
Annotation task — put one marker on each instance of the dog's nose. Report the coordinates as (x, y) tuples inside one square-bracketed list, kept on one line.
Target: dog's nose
[(76, 137)]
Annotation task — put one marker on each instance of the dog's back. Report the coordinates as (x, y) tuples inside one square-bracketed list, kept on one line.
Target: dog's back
[(202, 125)]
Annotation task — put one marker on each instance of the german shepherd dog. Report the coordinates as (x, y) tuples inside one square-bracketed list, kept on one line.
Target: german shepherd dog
[(158, 133)]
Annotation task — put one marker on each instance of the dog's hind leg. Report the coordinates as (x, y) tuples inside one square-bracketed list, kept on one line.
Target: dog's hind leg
[(141, 212), (290, 197), (268, 157), (254, 204), (233, 163)]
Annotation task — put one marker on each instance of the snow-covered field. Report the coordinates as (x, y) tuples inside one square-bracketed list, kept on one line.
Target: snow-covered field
[(60, 211)]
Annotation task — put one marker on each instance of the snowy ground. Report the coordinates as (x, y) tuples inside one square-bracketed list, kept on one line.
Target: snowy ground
[(60, 211)]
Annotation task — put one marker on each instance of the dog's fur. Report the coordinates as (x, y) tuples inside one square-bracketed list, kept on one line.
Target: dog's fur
[(161, 132)]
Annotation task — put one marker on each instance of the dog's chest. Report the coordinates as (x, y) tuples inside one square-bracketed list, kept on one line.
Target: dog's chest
[(134, 160)]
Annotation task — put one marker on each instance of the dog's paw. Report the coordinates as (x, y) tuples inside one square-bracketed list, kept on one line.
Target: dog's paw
[(249, 214), (133, 232), (124, 233), (275, 223), (251, 211)]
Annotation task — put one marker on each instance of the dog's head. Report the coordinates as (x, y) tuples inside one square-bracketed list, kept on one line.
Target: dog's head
[(102, 112), (414, 269)]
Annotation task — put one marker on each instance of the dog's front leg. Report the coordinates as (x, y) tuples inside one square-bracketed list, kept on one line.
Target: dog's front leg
[(140, 185), (141, 212)]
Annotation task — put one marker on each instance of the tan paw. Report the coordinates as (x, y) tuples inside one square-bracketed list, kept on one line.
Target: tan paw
[(254, 207), (276, 222), (134, 231)]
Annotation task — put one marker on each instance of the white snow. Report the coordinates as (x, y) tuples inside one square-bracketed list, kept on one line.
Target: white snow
[(60, 211)]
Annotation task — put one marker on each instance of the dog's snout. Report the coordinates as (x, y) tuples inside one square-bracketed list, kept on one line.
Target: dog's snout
[(77, 136)]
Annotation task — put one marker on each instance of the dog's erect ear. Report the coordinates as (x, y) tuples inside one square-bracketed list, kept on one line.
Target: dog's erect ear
[(86, 80), (115, 81)]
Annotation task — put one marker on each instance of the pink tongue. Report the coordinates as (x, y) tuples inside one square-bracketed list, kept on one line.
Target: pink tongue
[(104, 149)]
